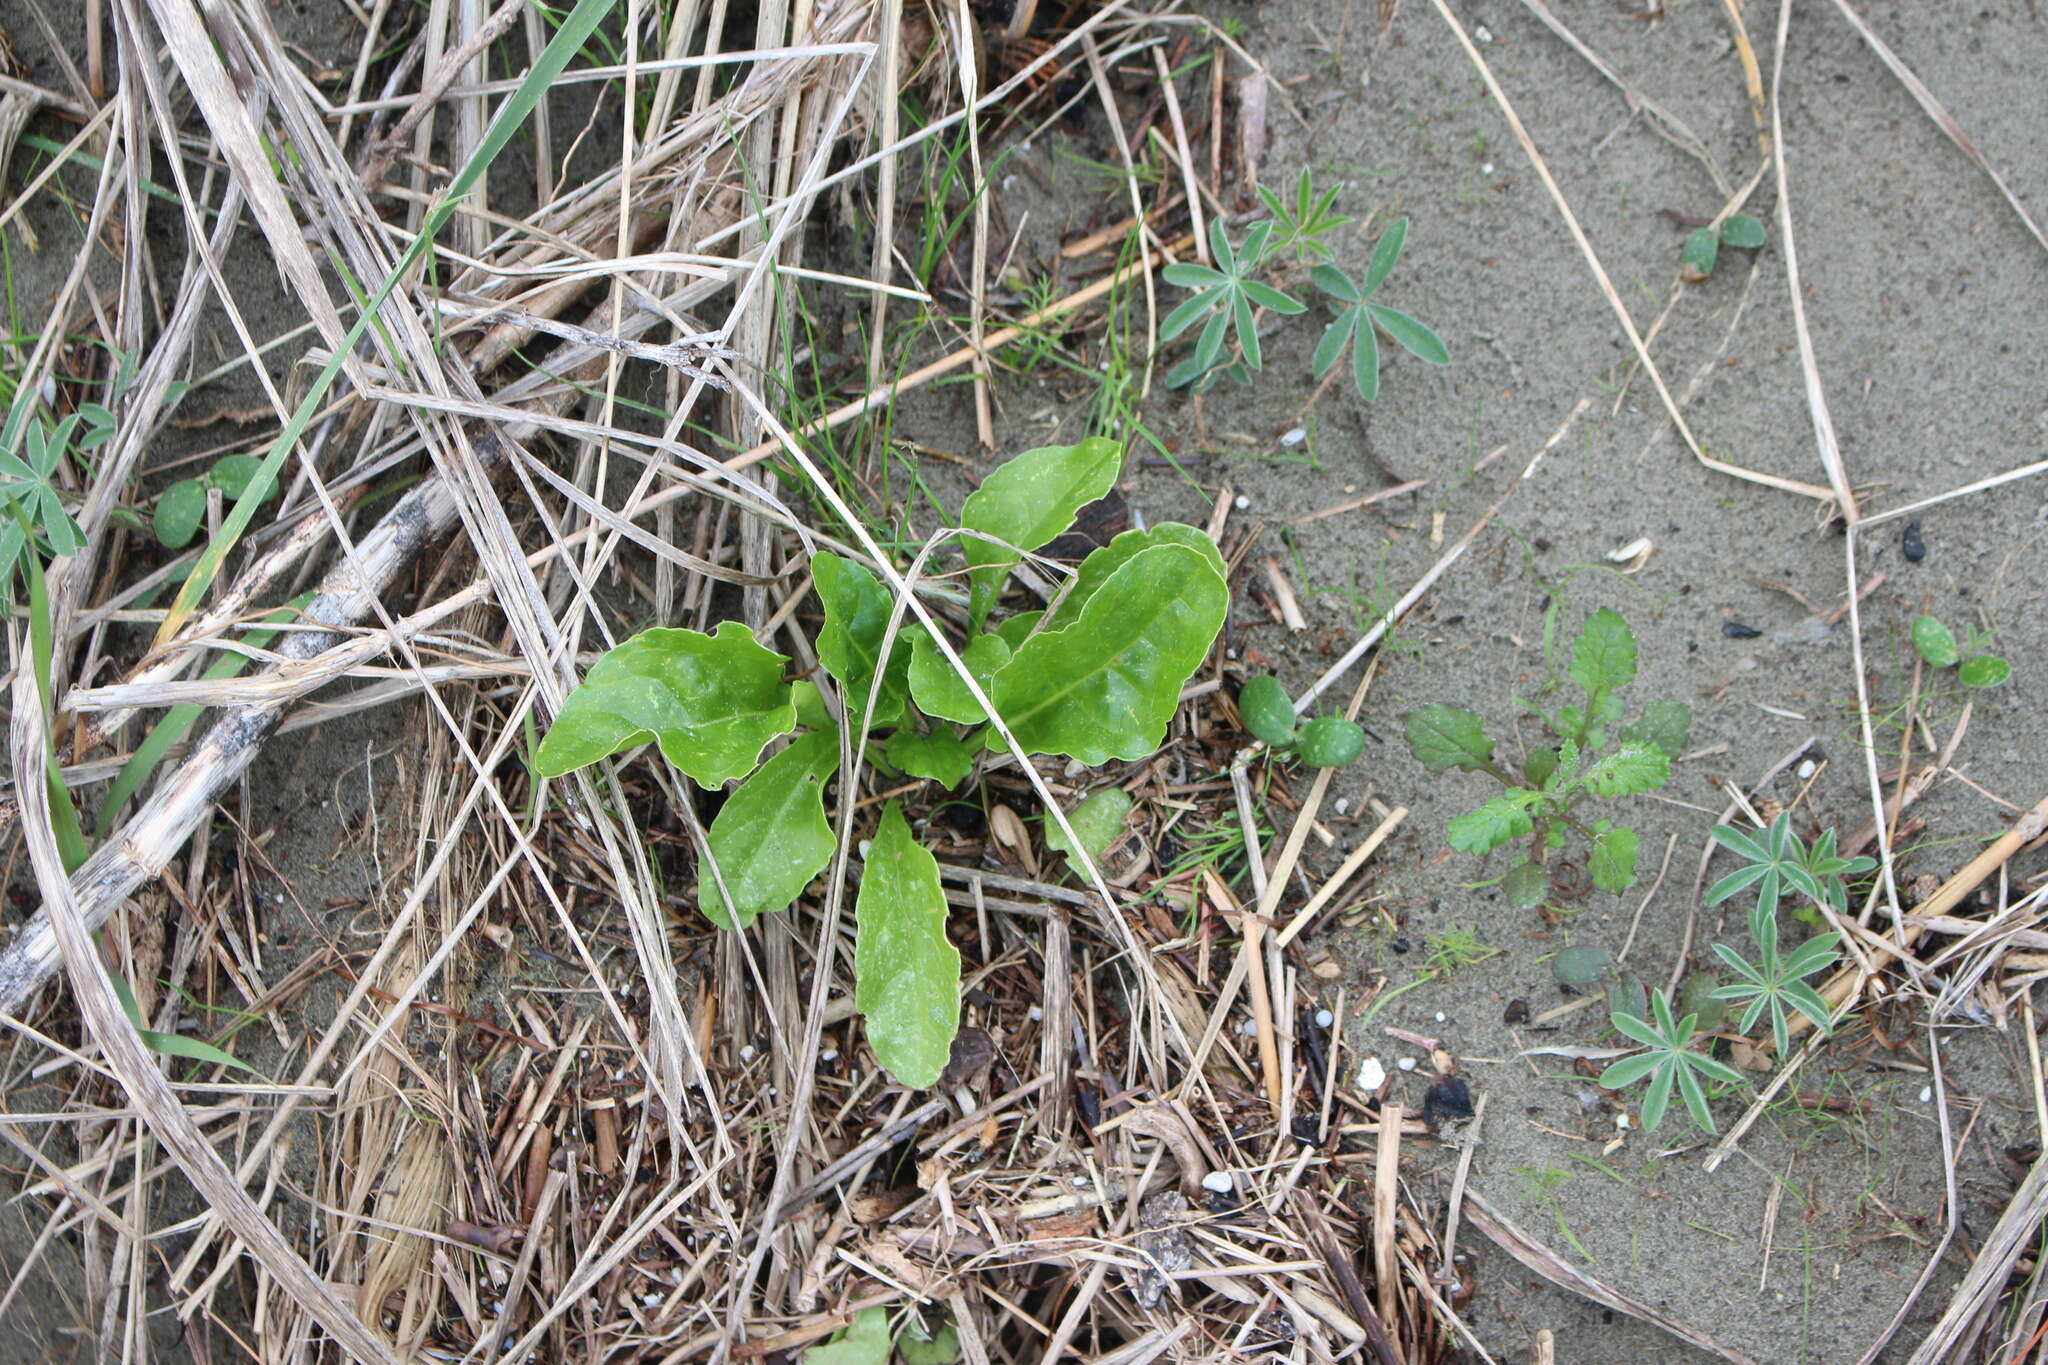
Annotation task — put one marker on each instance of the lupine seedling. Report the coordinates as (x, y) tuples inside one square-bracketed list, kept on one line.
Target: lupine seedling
[(1324, 742), (1667, 1060), (1703, 247), (1974, 669), (1225, 296), (1776, 861), (1095, 677), (1590, 758), (1773, 981)]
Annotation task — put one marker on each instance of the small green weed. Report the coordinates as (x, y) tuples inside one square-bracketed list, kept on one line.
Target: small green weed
[(1325, 742), (1703, 248), (1974, 668), (1591, 758)]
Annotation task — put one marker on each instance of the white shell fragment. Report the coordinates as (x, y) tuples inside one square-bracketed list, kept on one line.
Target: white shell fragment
[(1217, 1182), (1635, 554), (1371, 1075), (1406, 1063)]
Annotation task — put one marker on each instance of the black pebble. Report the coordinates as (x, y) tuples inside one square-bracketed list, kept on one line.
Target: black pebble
[(1448, 1098), (1911, 544), (1517, 1012), (1307, 1131), (1735, 630), (1399, 945)]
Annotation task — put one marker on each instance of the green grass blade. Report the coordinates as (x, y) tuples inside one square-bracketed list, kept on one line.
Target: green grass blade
[(511, 115)]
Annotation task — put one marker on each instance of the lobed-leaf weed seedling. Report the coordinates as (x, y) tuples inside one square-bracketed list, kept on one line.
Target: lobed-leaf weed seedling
[(1590, 758), (1975, 669), (1298, 233), (1324, 742), (1703, 247), (1096, 676)]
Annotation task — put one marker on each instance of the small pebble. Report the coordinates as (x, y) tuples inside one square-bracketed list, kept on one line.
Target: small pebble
[(1735, 630), (1037, 1014), (1808, 769), (1439, 1016), (747, 1052), (1217, 1182), (1294, 436), (1481, 33), (1621, 1121), (1371, 1075), (1343, 806), (864, 844), (1243, 502), (1406, 1063), (1486, 168), (1080, 1182), (1926, 1094), (830, 1054), (1911, 544), (1324, 1018)]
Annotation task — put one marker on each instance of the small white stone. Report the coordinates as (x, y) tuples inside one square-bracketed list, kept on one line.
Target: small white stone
[(1243, 502), (1343, 806), (1324, 1018), (1080, 1182), (1926, 1094), (1037, 1014), (49, 391), (1217, 1182), (830, 1054), (1371, 1075), (1481, 33), (1807, 769), (1486, 168), (747, 1052), (1406, 1063), (1621, 1122), (864, 844), (1439, 1016), (1294, 436)]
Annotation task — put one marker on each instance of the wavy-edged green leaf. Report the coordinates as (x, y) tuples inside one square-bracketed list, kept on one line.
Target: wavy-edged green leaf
[(1935, 641), (1015, 630), (1268, 712), (770, 838), (1444, 737), (938, 690), (1614, 858), (1330, 742), (1525, 885), (1026, 502), (1604, 655), (1986, 670), (1105, 560), (1664, 725), (906, 974), (857, 609), (1629, 771), (941, 756), (1486, 829), (1413, 334), (1097, 820), (1106, 685), (179, 510), (712, 702)]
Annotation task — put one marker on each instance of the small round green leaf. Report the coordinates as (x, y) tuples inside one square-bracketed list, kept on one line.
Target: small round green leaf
[(233, 473), (1525, 885), (1986, 670), (1580, 967), (1741, 230), (1330, 742), (1268, 713), (1702, 249), (1936, 643), (179, 510), (1098, 820)]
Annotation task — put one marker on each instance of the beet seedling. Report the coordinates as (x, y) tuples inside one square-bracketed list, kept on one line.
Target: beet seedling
[(1095, 677), (1324, 742), (1590, 758)]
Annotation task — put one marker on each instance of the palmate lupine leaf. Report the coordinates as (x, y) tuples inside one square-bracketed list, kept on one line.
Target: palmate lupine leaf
[(1772, 982), (1360, 318), (1223, 300), (1668, 1061)]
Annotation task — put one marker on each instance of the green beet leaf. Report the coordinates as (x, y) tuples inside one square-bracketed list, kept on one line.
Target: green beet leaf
[(1026, 502), (1525, 885), (1446, 737), (1935, 641), (866, 1341), (1268, 712), (906, 975), (179, 510), (1098, 820), (1106, 686), (1614, 857), (1096, 569), (941, 756), (771, 837), (857, 609), (938, 690), (712, 702), (1493, 824)]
